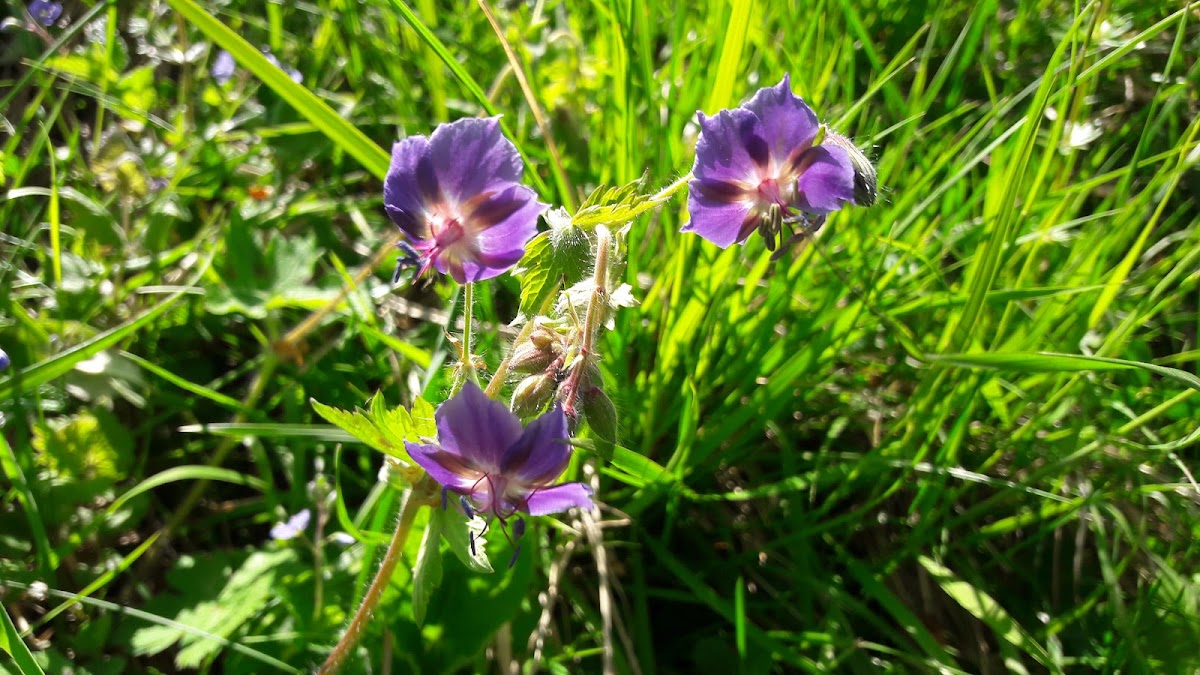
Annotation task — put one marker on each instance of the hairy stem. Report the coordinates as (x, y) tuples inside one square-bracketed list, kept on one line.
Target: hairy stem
[(468, 364), (370, 601), (597, 304)]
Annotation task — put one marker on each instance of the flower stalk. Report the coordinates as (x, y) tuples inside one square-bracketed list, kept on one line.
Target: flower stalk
[(597, 304), (416, 499), (467, 363)]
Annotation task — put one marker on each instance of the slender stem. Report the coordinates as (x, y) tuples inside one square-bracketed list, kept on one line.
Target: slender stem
[(591, 322), (319, 558), (497, 381), (468, 364), (370, 601)]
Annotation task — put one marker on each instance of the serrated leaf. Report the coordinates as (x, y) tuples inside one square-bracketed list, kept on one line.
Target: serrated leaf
[(618, 205), (363, 428), (394, 423), (427, 573), (247, 592), (458, 531), (422, 420), (553, 260)]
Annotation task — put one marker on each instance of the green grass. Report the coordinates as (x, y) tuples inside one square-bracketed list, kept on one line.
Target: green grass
[(956, 433)]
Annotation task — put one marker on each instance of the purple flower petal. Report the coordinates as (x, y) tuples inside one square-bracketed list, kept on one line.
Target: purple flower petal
[(501, 224), (410, 185), (449, 469), (295, 525), (471, 156), (542, 452), (732, 148), (559, 498), (715, 217), (476, 428), (789, 125), (828, 181)]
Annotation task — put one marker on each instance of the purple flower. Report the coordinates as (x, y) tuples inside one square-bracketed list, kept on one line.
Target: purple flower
[(45, 12), (457, 196), (222, 68), (5, 362), (497, 467), (292, 528), (761, 165)]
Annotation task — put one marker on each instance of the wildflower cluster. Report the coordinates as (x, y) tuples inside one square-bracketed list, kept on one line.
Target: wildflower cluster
[(462, 211)]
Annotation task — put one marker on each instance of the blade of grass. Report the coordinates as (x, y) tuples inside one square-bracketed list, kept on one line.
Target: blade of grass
[(348, 137)]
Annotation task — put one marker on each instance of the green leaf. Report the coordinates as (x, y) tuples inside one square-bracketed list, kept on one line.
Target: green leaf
[(44, 371), (394, 423), (1050, 362), (985, 608), (385, 429), (178, 473), (12, 644), (92, 449), (247, 592), (363, 428), (553, 260), (323, 117), (458, 531), (136, 89), (424, 424), (618, 205), (427, 573)]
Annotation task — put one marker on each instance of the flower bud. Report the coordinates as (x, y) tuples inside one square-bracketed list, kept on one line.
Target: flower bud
[(532, 394), (601, 414), (538, 352), (866, 181)]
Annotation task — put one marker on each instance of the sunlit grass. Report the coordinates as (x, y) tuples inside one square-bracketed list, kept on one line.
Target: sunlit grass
[(904, 445)]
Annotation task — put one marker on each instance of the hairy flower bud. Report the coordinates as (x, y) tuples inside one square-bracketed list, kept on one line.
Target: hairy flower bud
[(532, 394), (601, 414), (538, 352), (866, 181)]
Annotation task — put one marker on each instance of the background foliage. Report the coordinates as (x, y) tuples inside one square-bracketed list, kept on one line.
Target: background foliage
[(860, 458)]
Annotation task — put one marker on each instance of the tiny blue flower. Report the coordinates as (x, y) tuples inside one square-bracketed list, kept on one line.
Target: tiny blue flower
[(342, 539), (222, 69), (292, 528), (45, 12), (5, 362)]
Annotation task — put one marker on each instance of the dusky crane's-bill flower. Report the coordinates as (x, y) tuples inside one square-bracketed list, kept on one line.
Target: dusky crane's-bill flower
[(457, 196), (764, 164)]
